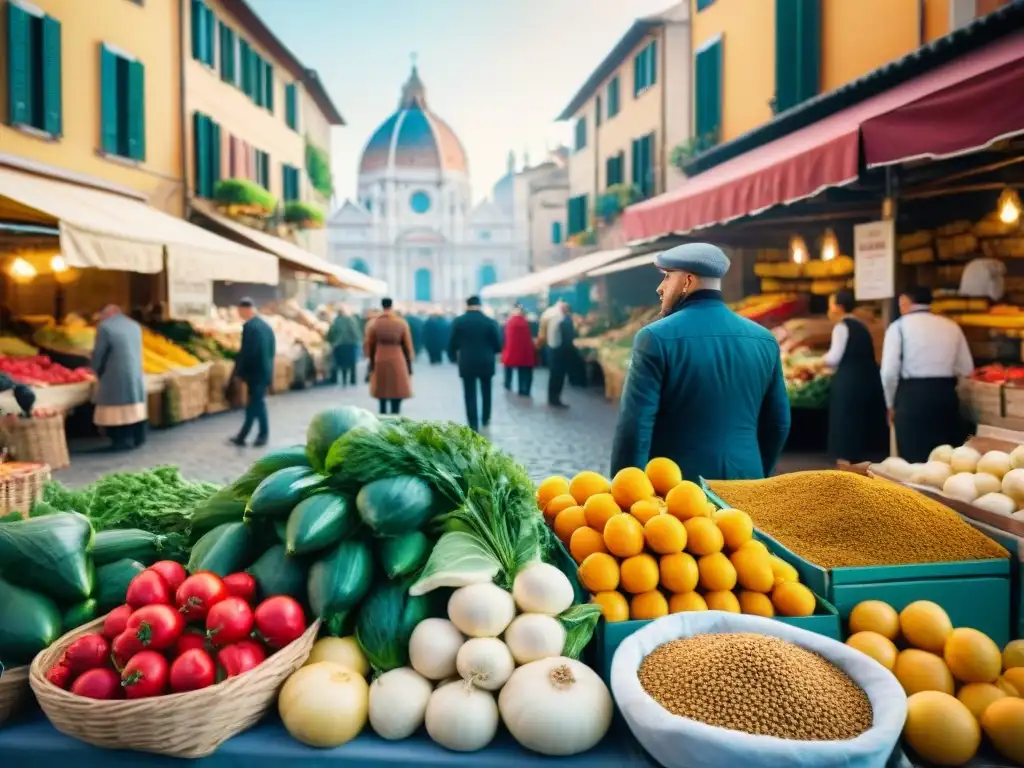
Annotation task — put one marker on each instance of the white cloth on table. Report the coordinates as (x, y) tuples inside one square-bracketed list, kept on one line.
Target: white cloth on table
[(983, 278), (836, 350)]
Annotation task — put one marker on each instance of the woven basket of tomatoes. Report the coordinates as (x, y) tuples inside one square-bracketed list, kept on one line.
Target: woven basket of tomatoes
[(196, 658)]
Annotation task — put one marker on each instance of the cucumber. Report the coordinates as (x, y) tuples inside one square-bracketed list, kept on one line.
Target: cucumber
[(131, 543), (277, 574), (392, 506), (226, 549), (80, 614), (29, 622), (112, 582), (281, 530), (318, 522), (281, 491), (41, 509), (49, 554), (338, 581), (404, 555), (268, 464), (219, 509)]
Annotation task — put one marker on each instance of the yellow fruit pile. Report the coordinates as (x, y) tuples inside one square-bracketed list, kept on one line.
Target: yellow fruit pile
[(159, 355), (649, 543), (958, 683)]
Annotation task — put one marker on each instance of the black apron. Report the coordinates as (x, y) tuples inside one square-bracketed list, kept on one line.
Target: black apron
[(927, 413), (857, 428)]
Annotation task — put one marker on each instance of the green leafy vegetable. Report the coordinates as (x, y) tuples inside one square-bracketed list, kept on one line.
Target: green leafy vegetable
[(457, 560), (579, 622)]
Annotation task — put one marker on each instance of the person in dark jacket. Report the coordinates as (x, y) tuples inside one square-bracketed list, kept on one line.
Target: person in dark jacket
[(344, 336), (415, 323), (255, 366), (474, 342), (559, 337), (518, 354), (121, 389), (857, 428), (704, 386), (435, 336)]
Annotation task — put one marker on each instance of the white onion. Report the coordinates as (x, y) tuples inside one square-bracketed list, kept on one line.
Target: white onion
[(964, 459), (1017, 457), (943, 453), (961, 486), (542, 588), (481, 610), (934, 474), (461, 717), (486, 662), (1013, 485), (433, 646), (986, 483), (534, 636), (997, 503), (324, 705), (897, 468), (398, 703)]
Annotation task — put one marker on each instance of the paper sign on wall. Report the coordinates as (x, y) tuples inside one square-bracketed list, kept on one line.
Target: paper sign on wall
[(874, 255)]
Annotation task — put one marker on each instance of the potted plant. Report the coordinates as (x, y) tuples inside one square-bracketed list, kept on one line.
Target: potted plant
[(683, 153), (303, 215), (615, 200), (242, 197)]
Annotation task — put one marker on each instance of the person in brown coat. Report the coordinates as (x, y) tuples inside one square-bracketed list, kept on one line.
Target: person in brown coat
[(388, 347)]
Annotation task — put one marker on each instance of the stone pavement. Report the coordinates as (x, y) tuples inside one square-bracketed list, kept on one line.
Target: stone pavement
[(545, 441)]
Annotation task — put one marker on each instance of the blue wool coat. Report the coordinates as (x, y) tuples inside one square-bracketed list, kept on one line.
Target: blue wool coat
[(705, 389), (117, 361)]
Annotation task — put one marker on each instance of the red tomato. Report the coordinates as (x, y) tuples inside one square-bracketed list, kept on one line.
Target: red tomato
[(116, 621), (87, 652), (144, 675), (124, 647), (192, 670), (148, 588), (191, 639), (241, 585), (156, 626), (60, 675), (198, 593), (279, 620), (102, 683), (229, 621), (173, 573), (239, 658)]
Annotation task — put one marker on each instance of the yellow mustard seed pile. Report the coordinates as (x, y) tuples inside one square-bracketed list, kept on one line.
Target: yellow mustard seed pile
[(840, 519), (756, 684)]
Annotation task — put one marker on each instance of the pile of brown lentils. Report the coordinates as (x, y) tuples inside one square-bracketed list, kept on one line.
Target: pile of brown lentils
[(842, 519), (756, 684)]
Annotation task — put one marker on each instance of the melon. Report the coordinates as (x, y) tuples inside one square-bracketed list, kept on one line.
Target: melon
[(941, 729), (1003, 722), (327, 426)]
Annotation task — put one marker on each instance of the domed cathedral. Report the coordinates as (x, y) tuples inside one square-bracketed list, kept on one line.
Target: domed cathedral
[(414, 224)]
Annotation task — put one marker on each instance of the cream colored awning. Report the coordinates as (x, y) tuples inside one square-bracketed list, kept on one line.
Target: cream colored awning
[(621, 266), (537, 282), (299, 258), (104, 230)]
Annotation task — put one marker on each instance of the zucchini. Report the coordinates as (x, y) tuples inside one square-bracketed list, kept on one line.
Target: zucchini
[(268, 464), (318, 522), (29, 622), (281, 491), (339, 581), (50, 554), (281, 530), (219, 509), (224, 550), (80, 614), (132, 543), (112, 582), (277, 574), (404, 555), (392, 506)]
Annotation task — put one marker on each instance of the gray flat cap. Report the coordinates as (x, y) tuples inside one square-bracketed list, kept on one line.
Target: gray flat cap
[(701, 259)]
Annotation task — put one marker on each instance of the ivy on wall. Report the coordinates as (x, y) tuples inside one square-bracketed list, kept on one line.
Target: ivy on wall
[(318, 168)]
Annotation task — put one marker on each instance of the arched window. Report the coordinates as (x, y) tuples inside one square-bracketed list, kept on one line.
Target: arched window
[(360, 265), (422, 284), (487, 276)]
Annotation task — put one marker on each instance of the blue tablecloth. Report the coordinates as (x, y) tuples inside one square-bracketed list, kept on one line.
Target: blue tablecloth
[(34, 741)]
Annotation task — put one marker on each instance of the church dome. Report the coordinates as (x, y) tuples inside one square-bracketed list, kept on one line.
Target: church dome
[(414, 138)]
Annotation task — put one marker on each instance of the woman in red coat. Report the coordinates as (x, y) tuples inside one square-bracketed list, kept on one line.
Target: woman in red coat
[(518, 353)]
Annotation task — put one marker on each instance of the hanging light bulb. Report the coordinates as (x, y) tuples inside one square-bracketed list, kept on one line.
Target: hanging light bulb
[(829, 246), (1009, 206), (58, 264), (798, 250), (21, 269)]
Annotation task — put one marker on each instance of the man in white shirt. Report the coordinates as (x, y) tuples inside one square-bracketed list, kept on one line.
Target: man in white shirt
[(923, 356), (983, 278)]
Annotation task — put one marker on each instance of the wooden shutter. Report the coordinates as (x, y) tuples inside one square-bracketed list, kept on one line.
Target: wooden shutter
[(19, 69), (243, 66), (210, 37), (258, 80), (709, 93), (797, 52), (52, 96), (652, 63), (136, 105), (200, 154), (108, 100), (291, 106), (196, 19), (268, 81), (214, 167)]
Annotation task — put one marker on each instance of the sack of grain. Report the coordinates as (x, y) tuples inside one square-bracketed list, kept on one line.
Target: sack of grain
[(684, 742)]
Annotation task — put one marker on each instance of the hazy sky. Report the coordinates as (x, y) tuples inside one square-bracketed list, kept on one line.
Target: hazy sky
[(497, 71)]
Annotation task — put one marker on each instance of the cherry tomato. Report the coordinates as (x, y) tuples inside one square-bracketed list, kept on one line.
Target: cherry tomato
[(241, 585), (192, 670), (101, 683), (191, 639), (148, 588), (239, 658), (156, 626), (229, 621), (87, 652), (60, 674), (279, 620), (116, 621), (173, 573), (199, 593), (144, 675), (124, 647)]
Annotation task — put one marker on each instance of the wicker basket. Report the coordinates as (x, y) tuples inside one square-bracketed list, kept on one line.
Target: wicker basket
[(187, 725), (220, 375), (14, 692), (39, 439), (186, 396), (21, 486), (284, 375)]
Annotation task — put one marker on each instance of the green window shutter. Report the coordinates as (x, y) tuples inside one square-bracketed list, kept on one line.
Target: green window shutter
[(136, 110), (243, 66), (556, 232), (268, 98), (225, 52), (19, 69), (636, 74), (809, 49), (291, 106), (52, 94), (258, 84), (708, 99), (214, 172), (201, 154), (786, 39), (652, 63), (210, 37), (198, 28), (109, 108)]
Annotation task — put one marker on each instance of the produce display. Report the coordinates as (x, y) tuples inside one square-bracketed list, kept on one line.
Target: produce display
[(808, 381), (770, 309), (162, 356), (841, 519), (997, 373), (74, 335), (12, 346), (40, 371)]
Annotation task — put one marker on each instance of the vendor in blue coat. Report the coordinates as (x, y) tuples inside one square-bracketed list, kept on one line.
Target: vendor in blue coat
[(704, 386)]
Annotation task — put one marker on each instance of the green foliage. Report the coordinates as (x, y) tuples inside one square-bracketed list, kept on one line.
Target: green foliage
[(318, 167), (304, 215), (244, 192), (683, 153), (615, 200)]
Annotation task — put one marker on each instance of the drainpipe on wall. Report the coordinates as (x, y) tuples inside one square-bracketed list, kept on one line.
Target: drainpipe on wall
[(663, 127), (186, 195)]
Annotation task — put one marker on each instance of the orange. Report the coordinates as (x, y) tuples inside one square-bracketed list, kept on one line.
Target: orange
[(645, 509), (614, 606), (875, 616), (557, 504), (941, 729), (649, 605), (922, 671), (878, 647), (703, 536), (754, 545), (716, 572), (971, 656), (549, 488), (782, 570), (599, 573), (665, 535), (737, 528), (793, 599), (756, 604), (925, 625), (664, 475), (631, 485), (624, 536), (687, 500), (977, 696), (1003, 723), (587, 484), (639, 574), (722, 601), (679, 572), (600, 508), (585, 541), (567, 522), (686, 601), (753, 570)]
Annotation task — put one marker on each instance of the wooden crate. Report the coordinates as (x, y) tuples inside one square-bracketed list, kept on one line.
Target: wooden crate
[(284, 375), (186, 396)]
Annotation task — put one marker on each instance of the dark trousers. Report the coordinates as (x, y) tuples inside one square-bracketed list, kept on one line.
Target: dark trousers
[(524, 374), (927, 415), (558, 360), (469, 387), (128, 435), (345, 363), (396, 405), (435, 355), (256, 412)]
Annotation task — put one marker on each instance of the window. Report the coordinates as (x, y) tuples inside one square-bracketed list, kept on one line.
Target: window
[(702, 4), (797, 52), (598, 110), (614, 172), (291, 177), (645, 68), (268, 86), (419, 201), (556, 232), (644, 169), (33, 70), (262, 169), (484, 235), (577, 214), (206, 154), (291, 106), (204, 25), (581, 133), (708, 93), (360, 265), (122, 105), (228, 70), (613, 97)]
